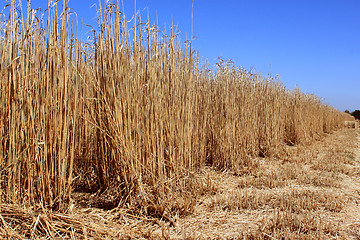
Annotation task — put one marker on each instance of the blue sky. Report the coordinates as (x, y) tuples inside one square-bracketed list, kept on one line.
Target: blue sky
[(313, 44)]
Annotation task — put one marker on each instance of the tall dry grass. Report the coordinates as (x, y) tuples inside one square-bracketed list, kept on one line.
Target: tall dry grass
[(136, 113)]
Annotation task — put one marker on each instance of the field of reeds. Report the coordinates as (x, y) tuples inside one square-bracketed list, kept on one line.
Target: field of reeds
[(126, 119)]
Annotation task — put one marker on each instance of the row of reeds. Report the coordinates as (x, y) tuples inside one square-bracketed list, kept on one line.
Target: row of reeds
[(130, 111)]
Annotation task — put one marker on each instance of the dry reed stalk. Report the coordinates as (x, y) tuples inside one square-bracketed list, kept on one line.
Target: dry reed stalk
[(115, 116)]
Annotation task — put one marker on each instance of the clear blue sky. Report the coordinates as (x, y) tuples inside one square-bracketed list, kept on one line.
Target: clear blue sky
[(313, 44)]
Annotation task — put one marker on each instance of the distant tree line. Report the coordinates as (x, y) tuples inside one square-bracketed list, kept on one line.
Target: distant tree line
[(355, 113)]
